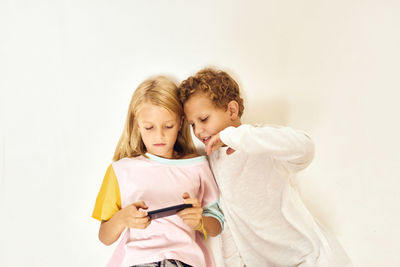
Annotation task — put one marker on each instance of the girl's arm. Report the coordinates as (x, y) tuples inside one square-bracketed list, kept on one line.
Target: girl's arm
[(129, 216), (212, 226), (194, 219)]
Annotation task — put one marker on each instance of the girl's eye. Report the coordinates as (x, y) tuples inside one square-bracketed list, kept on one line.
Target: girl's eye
[(148, 128), (169, 126)]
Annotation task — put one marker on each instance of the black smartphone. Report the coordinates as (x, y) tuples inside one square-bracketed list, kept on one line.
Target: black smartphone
[(155, 214)]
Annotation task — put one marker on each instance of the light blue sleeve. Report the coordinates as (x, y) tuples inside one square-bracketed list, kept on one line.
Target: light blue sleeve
[(213, 210)]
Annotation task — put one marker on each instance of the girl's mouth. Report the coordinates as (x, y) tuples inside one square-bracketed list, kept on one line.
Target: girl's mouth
[(160, 144)]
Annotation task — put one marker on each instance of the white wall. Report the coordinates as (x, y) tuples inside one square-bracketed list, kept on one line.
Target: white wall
[(68, 70)]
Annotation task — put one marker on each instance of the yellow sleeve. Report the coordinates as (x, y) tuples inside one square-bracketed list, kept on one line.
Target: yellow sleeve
[(108, 201)]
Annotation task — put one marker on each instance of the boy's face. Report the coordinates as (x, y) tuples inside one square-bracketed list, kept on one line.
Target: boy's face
[(158, 128), (205, 118)]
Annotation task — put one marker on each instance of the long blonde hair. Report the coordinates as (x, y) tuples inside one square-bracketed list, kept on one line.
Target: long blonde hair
[(159, 91)]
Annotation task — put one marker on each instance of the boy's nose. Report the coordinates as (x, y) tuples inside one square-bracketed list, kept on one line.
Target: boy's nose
[(197, 131)]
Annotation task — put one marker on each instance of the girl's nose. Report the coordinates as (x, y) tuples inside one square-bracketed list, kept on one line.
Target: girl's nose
[(160, 132)]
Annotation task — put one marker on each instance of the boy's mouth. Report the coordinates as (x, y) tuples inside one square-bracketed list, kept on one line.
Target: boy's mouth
[(205, 139)]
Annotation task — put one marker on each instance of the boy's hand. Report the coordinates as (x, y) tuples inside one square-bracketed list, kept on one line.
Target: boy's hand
[(191, 216), (131, 217), (214, 143)]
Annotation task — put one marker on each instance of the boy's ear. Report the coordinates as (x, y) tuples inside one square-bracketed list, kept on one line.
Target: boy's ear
[(233, 109)]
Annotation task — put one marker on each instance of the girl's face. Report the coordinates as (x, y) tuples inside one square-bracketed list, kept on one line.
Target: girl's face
[(159, 129)]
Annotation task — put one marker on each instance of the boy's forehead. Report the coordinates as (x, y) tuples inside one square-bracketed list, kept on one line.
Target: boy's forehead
[(197, 103), (199, 100), (199, 106)]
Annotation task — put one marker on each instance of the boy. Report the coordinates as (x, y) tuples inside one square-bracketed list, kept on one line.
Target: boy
[(266, 222)]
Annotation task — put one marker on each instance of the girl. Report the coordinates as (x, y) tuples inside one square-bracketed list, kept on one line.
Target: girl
[(155, 166)]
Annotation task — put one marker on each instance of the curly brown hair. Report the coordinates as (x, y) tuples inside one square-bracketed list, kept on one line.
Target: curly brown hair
[(217, 84)]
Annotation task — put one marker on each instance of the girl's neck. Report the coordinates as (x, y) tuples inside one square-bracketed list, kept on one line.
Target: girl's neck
[(175, 155)]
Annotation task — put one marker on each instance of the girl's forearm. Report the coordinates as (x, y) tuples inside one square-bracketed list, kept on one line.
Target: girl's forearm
[(110, 230), (212, 226)]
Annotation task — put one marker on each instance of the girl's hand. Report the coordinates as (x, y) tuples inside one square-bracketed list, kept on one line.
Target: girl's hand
[(214, 143), (191, 216), (131, 217)]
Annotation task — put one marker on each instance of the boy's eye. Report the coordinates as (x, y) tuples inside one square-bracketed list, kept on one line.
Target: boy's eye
[(148, 128), (203, 119), (169, 126)]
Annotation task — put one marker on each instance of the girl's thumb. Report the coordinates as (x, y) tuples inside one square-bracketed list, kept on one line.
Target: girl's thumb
[(140, 204), (186, 195)]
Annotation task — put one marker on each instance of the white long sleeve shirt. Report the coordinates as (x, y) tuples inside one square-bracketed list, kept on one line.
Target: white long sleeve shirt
[(267, 223)]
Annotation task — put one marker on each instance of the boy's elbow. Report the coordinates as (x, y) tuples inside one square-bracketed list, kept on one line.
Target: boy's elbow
[(309, 151), (305, 156)]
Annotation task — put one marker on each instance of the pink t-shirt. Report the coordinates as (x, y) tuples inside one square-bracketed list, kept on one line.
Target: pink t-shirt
[(160, 183)]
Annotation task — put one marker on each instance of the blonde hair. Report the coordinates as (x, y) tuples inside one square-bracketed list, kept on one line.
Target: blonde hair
[(159, 91)]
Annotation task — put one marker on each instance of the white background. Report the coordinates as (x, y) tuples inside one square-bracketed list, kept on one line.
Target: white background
[(68, 70)]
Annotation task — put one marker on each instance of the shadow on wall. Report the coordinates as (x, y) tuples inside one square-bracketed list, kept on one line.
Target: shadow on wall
[(267, 111)]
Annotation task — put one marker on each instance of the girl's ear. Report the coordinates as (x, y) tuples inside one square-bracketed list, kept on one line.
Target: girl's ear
[(233, 109)]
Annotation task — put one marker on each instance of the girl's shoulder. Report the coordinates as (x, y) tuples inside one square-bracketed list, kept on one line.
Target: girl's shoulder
[(128, 161)]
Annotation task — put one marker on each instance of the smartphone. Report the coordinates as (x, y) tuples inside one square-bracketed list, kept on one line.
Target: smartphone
[(155, 214)]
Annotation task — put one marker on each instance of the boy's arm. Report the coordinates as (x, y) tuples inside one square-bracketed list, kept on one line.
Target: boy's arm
[(284, 144)]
